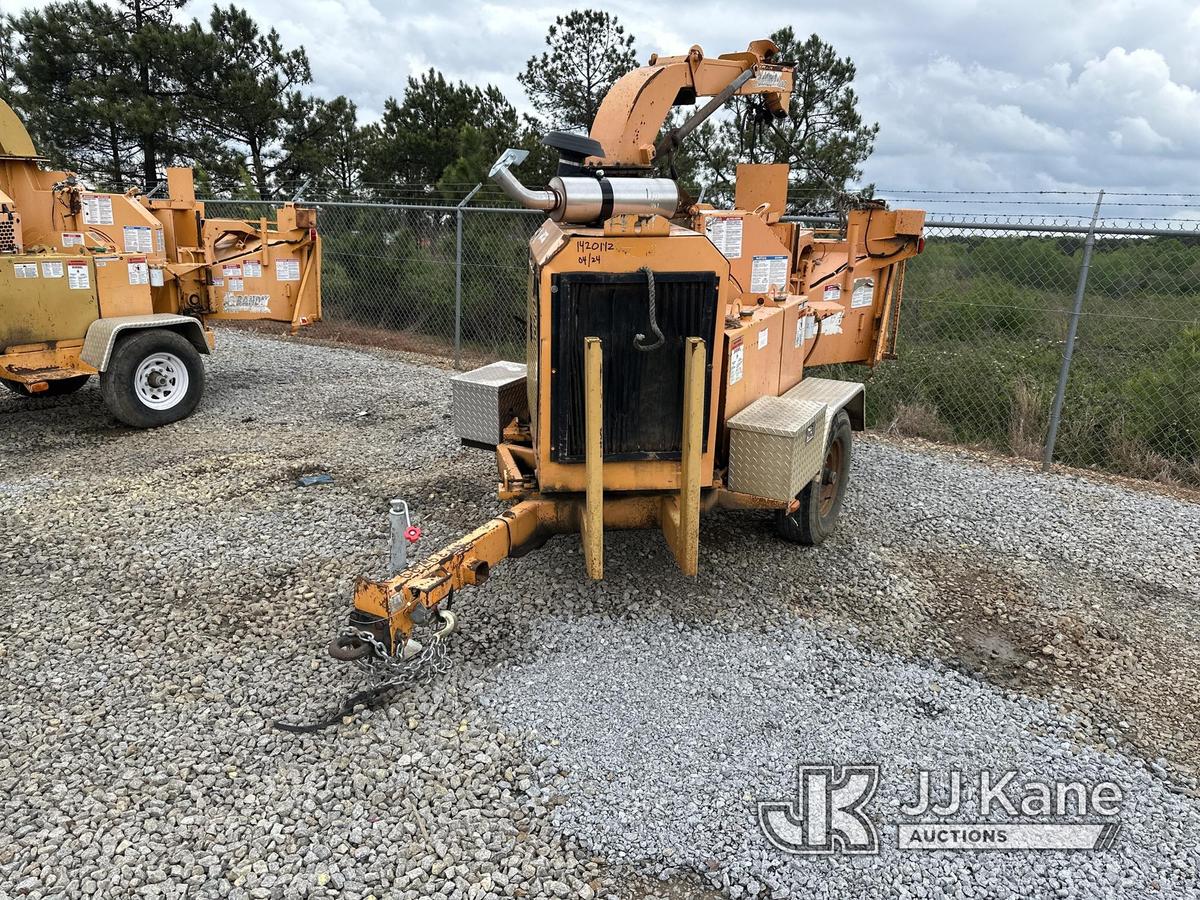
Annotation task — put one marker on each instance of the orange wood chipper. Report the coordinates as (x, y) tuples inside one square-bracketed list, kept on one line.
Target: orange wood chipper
[(668, 349), (121, 285)]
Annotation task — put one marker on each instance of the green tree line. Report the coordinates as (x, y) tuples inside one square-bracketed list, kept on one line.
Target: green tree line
[(118, 91)]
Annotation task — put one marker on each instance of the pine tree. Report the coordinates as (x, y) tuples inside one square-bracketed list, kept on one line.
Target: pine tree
[(98, 87), (823, 138), (243, 83), (482, 139), (8, 58), (441, 132), (324, 145), (589, 51)]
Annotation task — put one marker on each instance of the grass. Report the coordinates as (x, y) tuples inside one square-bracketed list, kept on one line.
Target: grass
[(983, 329)]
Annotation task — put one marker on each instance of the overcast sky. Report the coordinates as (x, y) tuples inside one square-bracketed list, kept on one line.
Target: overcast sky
[(969, 94)]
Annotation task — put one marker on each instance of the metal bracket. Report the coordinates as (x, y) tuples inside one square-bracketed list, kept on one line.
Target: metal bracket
[(510, 158)]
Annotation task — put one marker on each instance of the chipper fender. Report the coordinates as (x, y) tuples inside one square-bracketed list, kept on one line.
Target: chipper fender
[(103, 334)]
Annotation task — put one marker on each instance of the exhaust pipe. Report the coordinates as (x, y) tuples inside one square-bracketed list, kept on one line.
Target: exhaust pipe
[(585, 199), (546, 201)]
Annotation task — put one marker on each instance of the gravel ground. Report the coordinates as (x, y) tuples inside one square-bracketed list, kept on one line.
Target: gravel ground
[(168, 594)]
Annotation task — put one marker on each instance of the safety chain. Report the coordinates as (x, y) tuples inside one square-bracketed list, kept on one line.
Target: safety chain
[(386, 672)]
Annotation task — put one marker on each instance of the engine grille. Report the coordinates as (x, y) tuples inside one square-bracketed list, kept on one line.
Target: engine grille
[(643, 391)]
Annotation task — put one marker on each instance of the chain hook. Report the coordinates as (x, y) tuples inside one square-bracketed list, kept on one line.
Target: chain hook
[(449, 624)]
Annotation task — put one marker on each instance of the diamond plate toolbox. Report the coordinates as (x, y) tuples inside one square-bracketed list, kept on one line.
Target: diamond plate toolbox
[(484, 400), (776, 447)]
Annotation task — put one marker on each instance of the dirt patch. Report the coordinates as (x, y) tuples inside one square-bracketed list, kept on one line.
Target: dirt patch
[(675, 887), (1123, 657)]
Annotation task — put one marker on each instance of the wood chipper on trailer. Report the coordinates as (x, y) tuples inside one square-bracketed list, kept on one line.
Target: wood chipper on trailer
[(668, 349), (121, 285)]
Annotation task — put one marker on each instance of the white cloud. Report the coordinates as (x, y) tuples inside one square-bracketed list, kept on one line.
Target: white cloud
[(1135, 135), (1026, 94)]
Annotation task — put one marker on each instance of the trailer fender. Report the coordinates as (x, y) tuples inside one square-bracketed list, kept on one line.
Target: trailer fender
[(836, 396), (102, 335)]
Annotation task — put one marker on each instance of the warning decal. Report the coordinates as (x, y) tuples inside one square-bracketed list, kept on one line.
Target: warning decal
[(139, 271), (77, 275), (767, 272), (52, 270), (863, 293), (233, 270), (737, 356), (287, 269), (828, 325), (72, 239), (97, 209), (236, 284), (726, 234), (138, 239), (801, 328), (832, 293), (159, 240), (832, 325), (768, 78), (251, 269), (763, 337), (156, 276), (257, 303), (25, 270)]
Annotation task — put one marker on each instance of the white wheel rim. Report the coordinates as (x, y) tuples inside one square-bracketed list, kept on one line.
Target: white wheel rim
[(161, 381)]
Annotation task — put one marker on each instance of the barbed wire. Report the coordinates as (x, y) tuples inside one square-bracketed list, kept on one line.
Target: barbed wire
[(972, 210)]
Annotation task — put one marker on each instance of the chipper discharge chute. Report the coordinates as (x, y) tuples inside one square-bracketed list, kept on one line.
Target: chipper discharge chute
[(123, 285), (668, 346)]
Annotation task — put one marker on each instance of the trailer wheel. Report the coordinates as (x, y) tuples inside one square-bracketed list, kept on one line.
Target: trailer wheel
[(154, 377), (821, 499), (59, 387)]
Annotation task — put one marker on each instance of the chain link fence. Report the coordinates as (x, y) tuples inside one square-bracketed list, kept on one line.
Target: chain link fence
[(984, 330), (983, 327)]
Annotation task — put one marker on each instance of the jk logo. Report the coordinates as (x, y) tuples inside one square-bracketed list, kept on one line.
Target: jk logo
[(827, 814)]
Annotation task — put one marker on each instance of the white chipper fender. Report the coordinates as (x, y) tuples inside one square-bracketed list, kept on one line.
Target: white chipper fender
[(103, 333)]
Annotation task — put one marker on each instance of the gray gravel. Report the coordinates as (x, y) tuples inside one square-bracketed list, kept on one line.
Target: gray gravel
[(168, 594), (665, 739)]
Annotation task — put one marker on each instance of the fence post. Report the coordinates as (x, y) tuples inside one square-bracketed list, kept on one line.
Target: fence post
[(1069, 349), (458, 215)]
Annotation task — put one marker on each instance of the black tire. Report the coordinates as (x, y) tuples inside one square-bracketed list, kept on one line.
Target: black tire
[(821, 499), (154, 377), (59, 387)]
